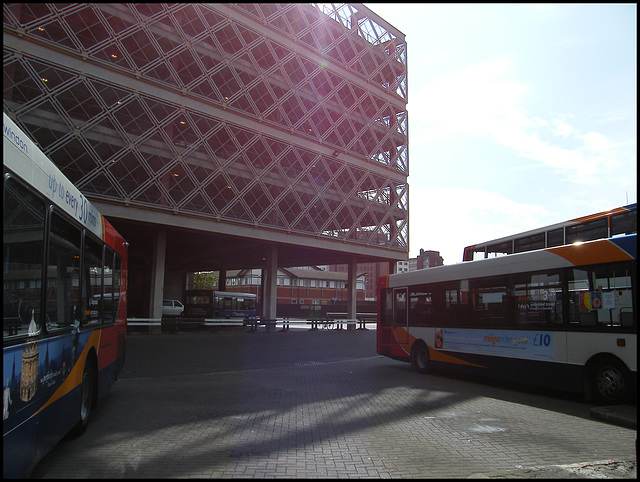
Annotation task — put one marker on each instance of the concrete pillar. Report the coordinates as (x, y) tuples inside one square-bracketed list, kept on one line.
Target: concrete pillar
[(157, 273), (190, 281), (352, 295), (270, 287), (222, 280)]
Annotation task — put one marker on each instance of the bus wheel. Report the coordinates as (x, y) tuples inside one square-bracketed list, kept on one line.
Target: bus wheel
[(88, 385), (610, 382), (420, 357)]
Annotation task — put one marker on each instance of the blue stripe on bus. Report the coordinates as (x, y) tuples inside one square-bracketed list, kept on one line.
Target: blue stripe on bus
[(628, 244)]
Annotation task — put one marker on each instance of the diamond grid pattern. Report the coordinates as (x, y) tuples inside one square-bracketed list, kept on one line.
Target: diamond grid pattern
[(126, 146)]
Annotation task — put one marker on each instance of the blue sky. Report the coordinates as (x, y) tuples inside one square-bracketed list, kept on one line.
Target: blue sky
[(520, 116)]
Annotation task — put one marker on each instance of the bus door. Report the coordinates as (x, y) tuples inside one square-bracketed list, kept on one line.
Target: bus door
[(400, 318)]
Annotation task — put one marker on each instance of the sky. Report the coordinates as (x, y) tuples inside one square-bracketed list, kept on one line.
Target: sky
[(520, 116)]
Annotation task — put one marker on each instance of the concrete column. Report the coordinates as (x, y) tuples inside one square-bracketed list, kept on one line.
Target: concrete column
[(352, 292), (190, 281), (270, 287), (222, 280), (157, 273)]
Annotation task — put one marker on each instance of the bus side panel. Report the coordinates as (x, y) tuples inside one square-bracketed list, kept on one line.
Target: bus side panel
[(621, 345), (19, 446), (42, 394), (543, 366), (107, 362), (56, 420), (110, 357), (553, 375)]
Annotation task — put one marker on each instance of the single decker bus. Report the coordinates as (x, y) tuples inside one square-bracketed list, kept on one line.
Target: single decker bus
[(560, 317), (64, 304), (220, 305)]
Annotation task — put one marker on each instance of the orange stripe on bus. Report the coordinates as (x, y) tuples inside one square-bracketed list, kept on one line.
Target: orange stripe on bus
[(438, 356), (591, 217), (75, 376), (591, 253), (434, 355)]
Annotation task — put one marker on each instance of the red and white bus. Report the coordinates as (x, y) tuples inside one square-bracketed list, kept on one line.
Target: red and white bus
[(622, 220), (64, 304), (561, 317)]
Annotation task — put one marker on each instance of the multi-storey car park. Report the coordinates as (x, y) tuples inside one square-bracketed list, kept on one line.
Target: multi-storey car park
[(221, 136)]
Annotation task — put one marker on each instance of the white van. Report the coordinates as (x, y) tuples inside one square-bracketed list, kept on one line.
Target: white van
[(172, 308)]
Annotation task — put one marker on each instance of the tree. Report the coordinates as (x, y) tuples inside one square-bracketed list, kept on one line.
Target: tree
[(205, 280)]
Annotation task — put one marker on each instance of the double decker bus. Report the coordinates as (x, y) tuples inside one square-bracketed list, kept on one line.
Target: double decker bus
[(220, 305), (561, 317), (622, 220), (64, 304)]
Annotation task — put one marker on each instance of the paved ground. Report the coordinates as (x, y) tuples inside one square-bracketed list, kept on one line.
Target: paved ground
[(322, 404)]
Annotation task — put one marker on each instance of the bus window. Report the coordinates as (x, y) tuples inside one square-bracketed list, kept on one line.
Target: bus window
[(538, 298), (528, 243), (602, 296), (63, 274), (555, 237), (612, 298), (419, 306), (500, 249), (23, 246), (386, 318), (489, 297), (587, 231), (108, 315), (624, 223), (578, 286), (92, 272)]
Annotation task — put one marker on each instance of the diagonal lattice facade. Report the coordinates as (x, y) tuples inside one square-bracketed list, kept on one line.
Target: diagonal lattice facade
[(286, 117)]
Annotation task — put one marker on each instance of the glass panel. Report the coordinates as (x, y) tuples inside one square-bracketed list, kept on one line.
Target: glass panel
[(108, 305), (538, 298), (489, 296), (63, 274), (625, 223), (23, 245), (420, 306), (529, 243), (601, 295), (555, 237), (92, 281), (587, 231)]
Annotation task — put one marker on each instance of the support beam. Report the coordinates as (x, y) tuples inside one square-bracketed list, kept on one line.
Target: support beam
[(351, 289), (270, 287), (222, 280), (157, 273)]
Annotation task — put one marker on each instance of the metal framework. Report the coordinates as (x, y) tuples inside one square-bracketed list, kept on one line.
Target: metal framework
[(286, 117)]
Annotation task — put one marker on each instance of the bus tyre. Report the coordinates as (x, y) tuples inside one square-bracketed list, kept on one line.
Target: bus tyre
[(420, 357), (87, 399), (610, 382)]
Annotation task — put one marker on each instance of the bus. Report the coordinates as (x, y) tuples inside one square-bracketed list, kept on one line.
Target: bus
[(64, 304), (622, 220), (561, 318), (220, 305)]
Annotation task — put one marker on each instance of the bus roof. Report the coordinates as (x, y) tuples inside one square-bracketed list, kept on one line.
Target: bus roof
[(620, 248), (23, 157)]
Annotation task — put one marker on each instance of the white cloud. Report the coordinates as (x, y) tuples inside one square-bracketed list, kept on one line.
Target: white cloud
[(465, 217), (561, 128), (484, 101)]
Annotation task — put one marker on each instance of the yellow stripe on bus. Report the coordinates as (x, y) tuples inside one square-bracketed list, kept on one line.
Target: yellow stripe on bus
[(75, 377)]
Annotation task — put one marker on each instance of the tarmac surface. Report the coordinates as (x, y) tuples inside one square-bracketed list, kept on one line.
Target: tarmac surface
[(323, 404)]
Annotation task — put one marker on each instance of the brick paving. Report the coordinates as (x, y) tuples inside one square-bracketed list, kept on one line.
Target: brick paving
[(324, 405)]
